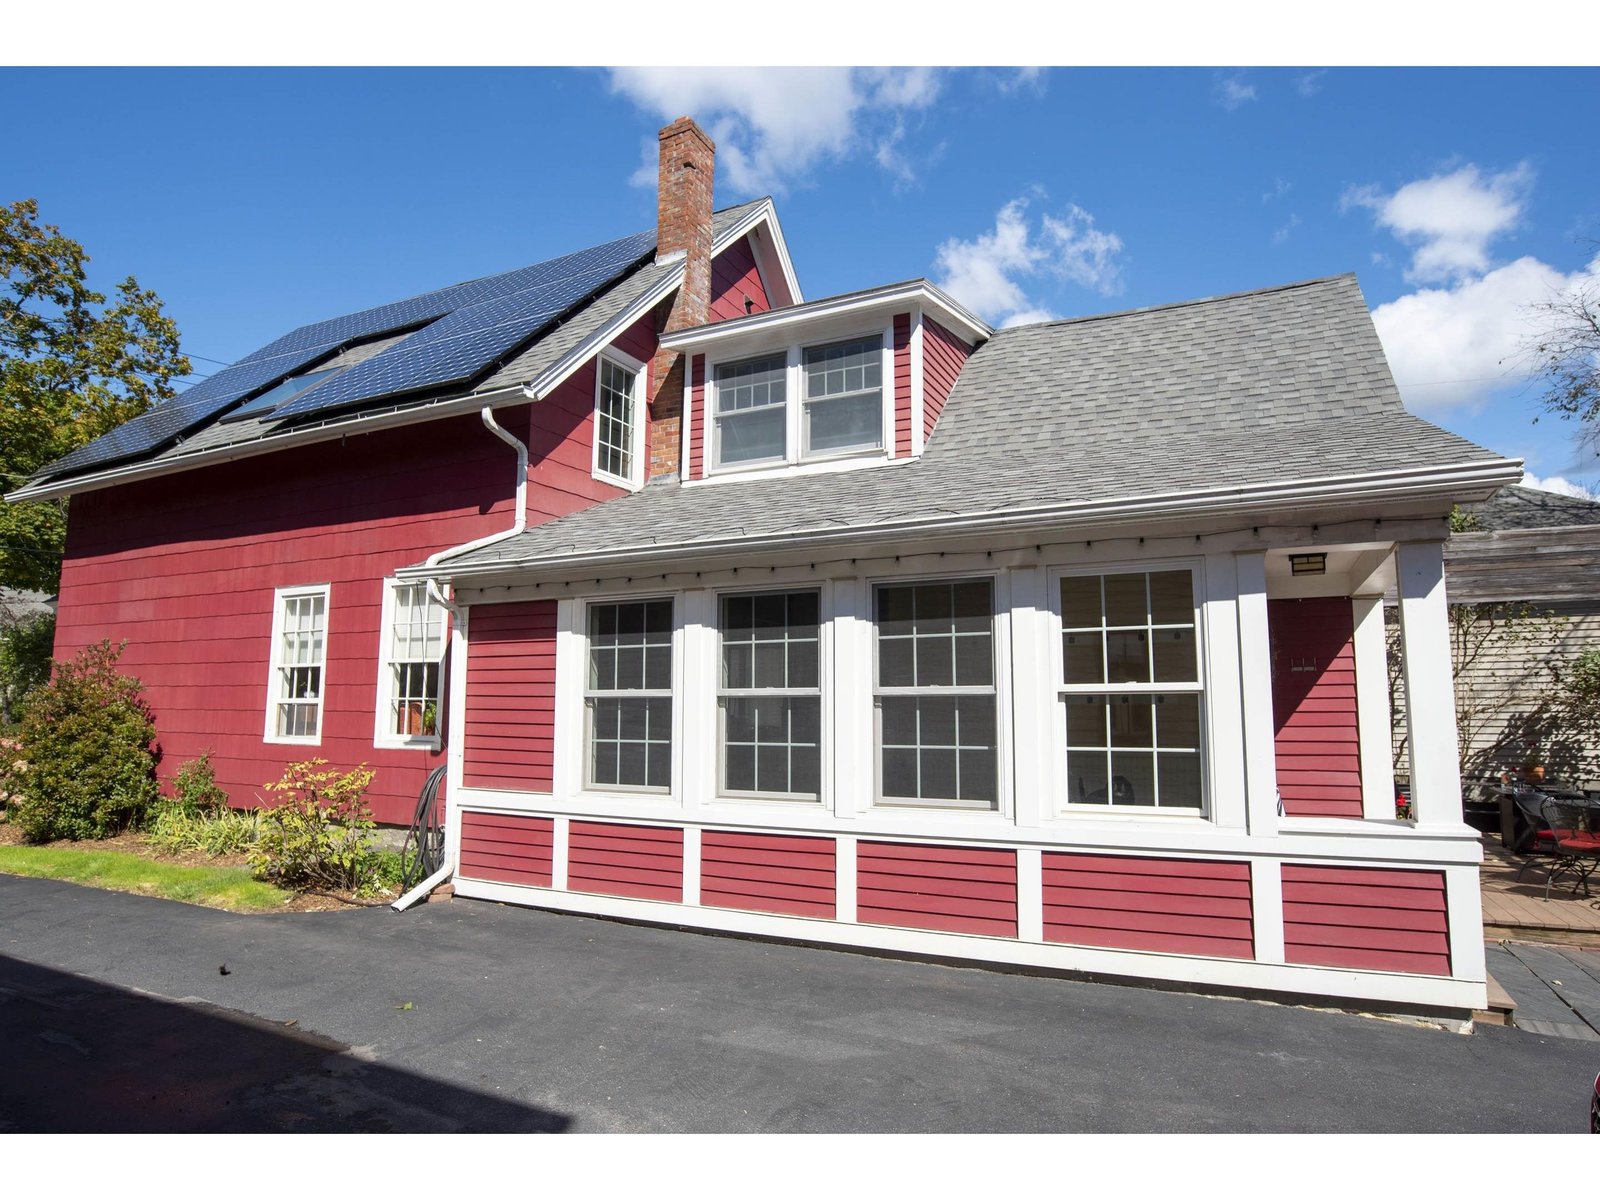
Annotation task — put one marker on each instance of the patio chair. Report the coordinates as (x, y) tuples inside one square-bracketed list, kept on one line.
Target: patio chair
[(1574, 843)]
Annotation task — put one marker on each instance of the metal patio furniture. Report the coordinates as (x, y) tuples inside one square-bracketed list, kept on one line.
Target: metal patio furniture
[(1574, 843)]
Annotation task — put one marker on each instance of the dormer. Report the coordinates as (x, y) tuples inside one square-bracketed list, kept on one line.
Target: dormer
[(850, 381)]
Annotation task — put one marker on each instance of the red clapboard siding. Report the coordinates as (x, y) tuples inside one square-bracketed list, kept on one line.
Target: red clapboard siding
[(698, 437), (735, 279), (768, 873), (1174, 906), (943, 356), (1368, 917), (643, 861), (511, 696), (506, 849), (902, 385), (1314, 706), (957, 889)]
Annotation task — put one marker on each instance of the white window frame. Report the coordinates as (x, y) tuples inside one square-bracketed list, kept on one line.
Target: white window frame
[(673, 693), (1060, 689), (276, 666), (384, 736), (999, 690), (720, 693), (634, 479), (794, 454)]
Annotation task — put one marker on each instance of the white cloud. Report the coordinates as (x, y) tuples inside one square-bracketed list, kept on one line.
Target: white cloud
[(1232, 92), (1021, 79), (774, 124), (1559, 484), (1281, 234), (1279, 189), (1450, 220), (987, 273), (1309, 85), (1452, 346)]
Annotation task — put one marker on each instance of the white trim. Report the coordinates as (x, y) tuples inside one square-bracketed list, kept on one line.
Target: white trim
[(1030, 894), (383, 737), (844, 879), (1255, 672), (1370, 488), (639, 435), (895, 296), (1372, 709), (1224, 741), (1266, 909), (1430, 697), (275, 662), (1464, 906), (1434, 992), (919, 387)]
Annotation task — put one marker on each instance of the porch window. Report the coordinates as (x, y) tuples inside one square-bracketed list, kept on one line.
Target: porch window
[(935, 694), (1130, 691), (628, 695), (299, 654), (617, 428), (411, 680), (769, 695)]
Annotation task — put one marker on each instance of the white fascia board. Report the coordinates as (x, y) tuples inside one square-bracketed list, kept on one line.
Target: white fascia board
[(767, 213), (1375, 486), (886, 300)]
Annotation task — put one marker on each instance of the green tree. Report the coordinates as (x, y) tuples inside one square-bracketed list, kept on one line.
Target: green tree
[(73, 364)]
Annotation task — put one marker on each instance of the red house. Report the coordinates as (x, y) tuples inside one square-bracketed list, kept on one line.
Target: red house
[(853, 621)]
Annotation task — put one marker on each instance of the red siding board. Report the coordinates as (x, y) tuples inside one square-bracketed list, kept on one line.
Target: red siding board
[(943, 356), (1368, 917), (508, 739), (773, 873), (1313, 664), (698, 437), (956, 889), (1175, 906), (609, 859), (734, 278), (506, 849), (902, 386)]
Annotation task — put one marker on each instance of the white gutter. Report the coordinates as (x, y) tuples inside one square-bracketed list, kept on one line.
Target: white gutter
[(1368, 486), (518, 524), (422, 889)]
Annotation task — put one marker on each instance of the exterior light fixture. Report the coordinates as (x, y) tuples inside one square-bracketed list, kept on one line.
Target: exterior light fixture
[(1308, 564)]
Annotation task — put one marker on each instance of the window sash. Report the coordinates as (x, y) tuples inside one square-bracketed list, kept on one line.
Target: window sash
[(773, 636), (299, 660), (616, 405), (412, 675), (628, 741)]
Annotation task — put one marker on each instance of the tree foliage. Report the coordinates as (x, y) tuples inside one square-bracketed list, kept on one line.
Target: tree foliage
[(73, 364), (1566, 351), (25, 649)]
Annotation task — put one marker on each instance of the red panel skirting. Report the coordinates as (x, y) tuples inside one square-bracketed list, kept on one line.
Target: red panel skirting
[(1369, 917), (768, 873), (505, 849), (643, 861), (1169, 905), (956, 889)]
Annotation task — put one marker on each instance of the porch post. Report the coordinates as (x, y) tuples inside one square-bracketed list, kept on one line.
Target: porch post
[(1430, 687), (1255, 679), (1372, 709)]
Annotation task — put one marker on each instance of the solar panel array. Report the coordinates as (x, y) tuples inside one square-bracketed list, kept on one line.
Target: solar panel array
[(189, 410), (469, 326), (490, 318)]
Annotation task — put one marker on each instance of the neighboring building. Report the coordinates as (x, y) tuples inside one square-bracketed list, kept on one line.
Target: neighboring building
[(1060, 645), (1542, 550)]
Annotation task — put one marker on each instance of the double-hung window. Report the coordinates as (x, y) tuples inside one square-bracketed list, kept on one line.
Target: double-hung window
[(769, 698), (618, 430), (843, 397), (299, 655), (1131, 690), (934, 694), (411, 679), (628, 695), (751, 418)]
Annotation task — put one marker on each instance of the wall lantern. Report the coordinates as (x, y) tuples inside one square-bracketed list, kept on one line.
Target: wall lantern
[(1308, 564)]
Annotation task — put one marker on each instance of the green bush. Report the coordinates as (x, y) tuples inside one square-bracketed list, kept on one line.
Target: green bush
[(225, 831), (195, 790), (321, 833), (85, 761), (25, 650)]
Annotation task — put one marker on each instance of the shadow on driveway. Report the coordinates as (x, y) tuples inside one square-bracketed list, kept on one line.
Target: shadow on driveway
[(88, 1057)]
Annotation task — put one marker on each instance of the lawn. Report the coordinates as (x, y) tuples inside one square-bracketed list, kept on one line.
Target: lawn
[(230, 888)]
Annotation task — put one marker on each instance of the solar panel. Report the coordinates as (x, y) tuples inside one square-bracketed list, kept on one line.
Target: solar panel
[(503, 312), (184, 412)]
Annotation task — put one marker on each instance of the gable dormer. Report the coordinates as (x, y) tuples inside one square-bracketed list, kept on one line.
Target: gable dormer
[(850, 381)]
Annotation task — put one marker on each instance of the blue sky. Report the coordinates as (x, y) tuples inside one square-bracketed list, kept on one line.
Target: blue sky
[(255, 200)]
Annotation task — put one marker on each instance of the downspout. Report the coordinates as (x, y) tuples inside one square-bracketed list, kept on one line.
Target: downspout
[(518, 524)]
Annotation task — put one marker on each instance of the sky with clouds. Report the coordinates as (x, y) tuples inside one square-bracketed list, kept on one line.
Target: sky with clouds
[(1462, 199)]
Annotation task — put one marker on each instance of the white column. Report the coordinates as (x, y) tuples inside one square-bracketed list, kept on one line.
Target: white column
[(853, 766), (1033, 702), (1372, 710), (696, 692), (1430, 686), (1255, 682), (566, 777), (1224, 711), (456, 735), (1464, 905)]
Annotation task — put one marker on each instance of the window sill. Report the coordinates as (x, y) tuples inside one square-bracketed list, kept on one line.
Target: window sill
[(413, 743), (616, 481), (273, 740)]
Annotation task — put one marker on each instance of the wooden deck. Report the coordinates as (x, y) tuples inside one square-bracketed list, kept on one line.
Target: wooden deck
[(1513, 908)]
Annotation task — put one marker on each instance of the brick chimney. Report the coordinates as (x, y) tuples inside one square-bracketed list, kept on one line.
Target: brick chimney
[(683, 224)]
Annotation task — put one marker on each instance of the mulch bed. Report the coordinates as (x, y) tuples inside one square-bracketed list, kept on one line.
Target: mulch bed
[(134, 843)]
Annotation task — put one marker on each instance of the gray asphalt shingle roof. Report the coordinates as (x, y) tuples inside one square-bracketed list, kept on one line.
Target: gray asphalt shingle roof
[(1532, 508), (1288, 383)]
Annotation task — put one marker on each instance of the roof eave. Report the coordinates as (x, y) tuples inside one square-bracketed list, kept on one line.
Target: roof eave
[(1445, 483)]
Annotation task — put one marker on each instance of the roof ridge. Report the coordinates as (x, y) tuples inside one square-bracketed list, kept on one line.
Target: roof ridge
[(1150, 308)]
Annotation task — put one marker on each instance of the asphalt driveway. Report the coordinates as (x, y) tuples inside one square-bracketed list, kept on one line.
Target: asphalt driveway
[(116, 1015)]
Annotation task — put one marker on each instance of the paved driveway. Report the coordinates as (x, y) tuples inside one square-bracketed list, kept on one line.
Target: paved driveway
[(468, 1015)]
